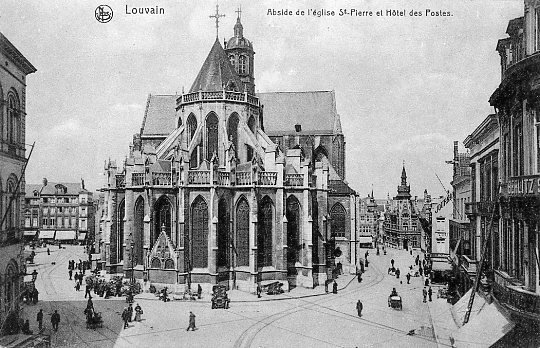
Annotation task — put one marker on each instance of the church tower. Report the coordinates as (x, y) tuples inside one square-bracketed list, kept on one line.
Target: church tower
[(404, 190), (241, 55)]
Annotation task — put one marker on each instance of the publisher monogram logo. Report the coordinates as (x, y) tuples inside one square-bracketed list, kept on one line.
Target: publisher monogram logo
[(104, 13)]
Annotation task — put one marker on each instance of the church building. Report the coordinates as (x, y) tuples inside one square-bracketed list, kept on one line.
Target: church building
[(223, 185)]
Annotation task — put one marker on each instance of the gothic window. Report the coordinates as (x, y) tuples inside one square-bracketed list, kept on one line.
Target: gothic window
[(293, 231), (249, 152), (120, 228), (13, 130), (191, 127), (251, 124), (11, 216), (156, 263), (11, 278), (179, 122), (338, 216), (264, 235), (242, 65), (169, 264), (232, 130), (242, 233), (223, 234), (211, 135), (162, 211), (199, 232), (138, 233), (194, 158)]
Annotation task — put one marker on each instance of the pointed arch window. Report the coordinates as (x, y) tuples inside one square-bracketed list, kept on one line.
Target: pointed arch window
[(199, 232), (232, 130), (191, 127), (242, 65), (338, 216), (120, 231), (264, 233), (251, 124), (138, 233), (242, 233), (223, 234), (293, 231), (179, 122), (13, 129), (11, 216), (211, 135), (162, 219)]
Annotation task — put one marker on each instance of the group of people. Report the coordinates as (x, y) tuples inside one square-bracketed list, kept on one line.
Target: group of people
[(127, 314), (55, 320)]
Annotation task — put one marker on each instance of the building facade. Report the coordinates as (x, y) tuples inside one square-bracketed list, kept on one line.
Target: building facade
[(14, 68), (402, 227), (227, 186), (368, 222), (517, 104), (60, 212)]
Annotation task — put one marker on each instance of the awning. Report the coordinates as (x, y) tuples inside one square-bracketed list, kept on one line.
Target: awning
[(46, 234), (441, 265), (476, 332), (30, 233), (82, 236), (365, 239), (65, 235)]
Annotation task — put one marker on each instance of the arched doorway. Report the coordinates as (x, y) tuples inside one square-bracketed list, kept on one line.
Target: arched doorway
[(264, 233), (138, 232), (199, 233), (223, 234), (162, 218), (293, 234), (242, 233)]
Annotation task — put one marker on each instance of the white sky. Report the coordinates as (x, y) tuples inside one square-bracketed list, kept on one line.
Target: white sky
[(405, 87)]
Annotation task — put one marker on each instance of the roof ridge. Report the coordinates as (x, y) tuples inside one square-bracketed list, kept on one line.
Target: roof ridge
[(314, 91)]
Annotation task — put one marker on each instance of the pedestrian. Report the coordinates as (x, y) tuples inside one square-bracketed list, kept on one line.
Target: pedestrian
[(408, 276), (130, 312), (87, 290), (90, 304), (420, 270), (70, 272), (26, 328), (359, 276), (398, 272), (259, 290), (199, 291), (410, 251), (55, 320), (191, 322), (138, 312), (430, 293), (48, 251), (334, 287), (326, 285), (77, 286), (424, 293), (125, 317), (35, 296), (366, 254), (40, 319), (392, 262), (359, 307)]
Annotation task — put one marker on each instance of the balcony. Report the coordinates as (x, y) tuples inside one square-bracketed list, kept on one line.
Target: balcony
[(513, 296), (137, 179), (120, 181), (294, 179), (217, 96), (199, 177), (243, 178), (162, 179), (224, 178)]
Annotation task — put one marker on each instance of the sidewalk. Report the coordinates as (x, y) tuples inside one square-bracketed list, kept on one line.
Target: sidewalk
[(442, 319)]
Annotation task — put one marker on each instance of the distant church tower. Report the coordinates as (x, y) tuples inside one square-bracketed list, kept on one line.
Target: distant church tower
[(241, 55)]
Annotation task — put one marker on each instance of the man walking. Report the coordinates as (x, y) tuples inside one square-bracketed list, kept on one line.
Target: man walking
[(334, 287), (40, 319), (424, 293), (87, 290), (125, 317), (408, 277), (430, 293), (55, 320), (359, 307), (191, 322), (392, 262), (70, 272)]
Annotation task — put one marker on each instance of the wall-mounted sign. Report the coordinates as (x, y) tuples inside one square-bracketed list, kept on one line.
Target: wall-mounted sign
[(524, 186), (445, 201)]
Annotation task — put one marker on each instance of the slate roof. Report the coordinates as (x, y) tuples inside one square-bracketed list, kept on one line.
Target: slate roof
[(160, 115), (216, 72), (50, 189), (315, 111)]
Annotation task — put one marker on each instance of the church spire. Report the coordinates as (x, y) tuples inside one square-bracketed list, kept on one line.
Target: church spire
[(238, 28), (403, 175)]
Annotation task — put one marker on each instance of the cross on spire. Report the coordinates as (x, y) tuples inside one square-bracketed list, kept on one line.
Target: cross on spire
[(239, 12), (217, 16)]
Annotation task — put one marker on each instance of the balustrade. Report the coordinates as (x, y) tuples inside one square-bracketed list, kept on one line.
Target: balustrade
[(224, 178), (162, 179), (294, 179), (199, 177), (137, 179), (517, 298), (268, 178), (243, 178), (219, 95)]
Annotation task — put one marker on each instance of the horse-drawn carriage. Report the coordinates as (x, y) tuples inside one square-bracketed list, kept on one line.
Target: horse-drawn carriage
[(394, 301), (219, 297), (274, 288)]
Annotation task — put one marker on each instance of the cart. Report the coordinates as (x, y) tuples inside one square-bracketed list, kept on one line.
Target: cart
[(274, 288), (395, 302), (219, 297), (94, 320)]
